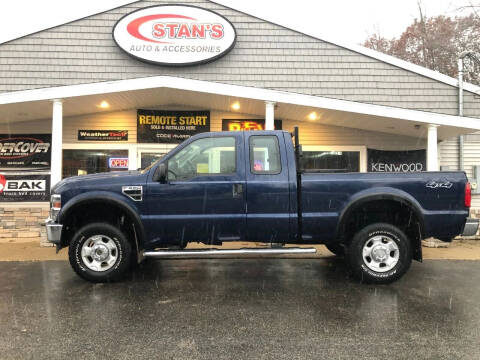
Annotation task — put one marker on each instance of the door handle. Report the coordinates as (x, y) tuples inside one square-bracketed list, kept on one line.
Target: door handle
[(237, 191)]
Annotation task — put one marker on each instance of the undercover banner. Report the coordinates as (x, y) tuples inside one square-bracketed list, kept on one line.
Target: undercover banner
[(397, 161), (170, 126), (21, 151), (24, 187)]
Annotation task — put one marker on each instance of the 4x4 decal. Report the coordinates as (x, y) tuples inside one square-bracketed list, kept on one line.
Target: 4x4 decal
[(445, 184)]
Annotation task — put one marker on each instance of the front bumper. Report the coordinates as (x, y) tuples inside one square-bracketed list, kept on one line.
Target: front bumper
[(54, 231), (471, 227)]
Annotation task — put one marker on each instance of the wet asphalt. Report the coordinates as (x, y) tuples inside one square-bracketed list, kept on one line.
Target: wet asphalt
[(240, 309)]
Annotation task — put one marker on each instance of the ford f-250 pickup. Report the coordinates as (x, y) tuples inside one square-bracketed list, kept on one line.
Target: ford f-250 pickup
[(250, 186)]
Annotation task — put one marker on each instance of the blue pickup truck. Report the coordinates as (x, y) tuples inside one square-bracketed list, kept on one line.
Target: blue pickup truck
[(249, 186)]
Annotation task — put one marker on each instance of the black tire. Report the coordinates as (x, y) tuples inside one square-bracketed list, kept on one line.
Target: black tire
[(336, 249), (123, 253), (362, 268)]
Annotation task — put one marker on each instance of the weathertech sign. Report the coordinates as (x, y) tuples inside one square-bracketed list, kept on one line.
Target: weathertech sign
[(174, 35), (103, 135), (19, 188)]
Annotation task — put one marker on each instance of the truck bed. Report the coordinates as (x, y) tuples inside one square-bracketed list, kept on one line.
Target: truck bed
[(438, 197)]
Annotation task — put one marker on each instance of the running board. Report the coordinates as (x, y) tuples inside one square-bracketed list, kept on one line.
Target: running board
[(226, 252)]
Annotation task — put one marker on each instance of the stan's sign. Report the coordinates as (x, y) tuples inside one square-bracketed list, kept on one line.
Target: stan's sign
[(174, 35)]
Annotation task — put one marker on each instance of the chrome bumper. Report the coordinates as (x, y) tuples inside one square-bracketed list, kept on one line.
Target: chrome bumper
[(54, 231), (471, 227)]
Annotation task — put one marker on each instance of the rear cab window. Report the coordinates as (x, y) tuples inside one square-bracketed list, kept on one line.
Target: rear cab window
[(264, 155)]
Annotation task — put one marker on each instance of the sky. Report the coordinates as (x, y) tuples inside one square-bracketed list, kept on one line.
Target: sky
[(347, 21)]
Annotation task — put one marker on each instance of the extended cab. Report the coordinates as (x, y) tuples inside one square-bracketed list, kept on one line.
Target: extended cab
[(249, 186)]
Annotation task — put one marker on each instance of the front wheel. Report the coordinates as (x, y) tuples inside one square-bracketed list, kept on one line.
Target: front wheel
[(379, 253), (100, 252)]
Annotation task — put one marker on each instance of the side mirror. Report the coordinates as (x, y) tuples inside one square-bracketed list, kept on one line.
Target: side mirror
[(161, 173)]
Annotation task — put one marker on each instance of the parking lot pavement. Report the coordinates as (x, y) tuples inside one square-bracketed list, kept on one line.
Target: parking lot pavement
[(240, 309)]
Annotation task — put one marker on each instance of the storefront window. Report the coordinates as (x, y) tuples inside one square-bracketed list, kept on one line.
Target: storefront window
[(148, 158), (82, 162), (331, 161)]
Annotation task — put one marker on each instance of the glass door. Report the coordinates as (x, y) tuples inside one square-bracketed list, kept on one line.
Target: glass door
[(146, 157)]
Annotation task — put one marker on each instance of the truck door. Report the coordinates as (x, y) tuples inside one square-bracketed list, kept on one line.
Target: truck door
[(268, 194), (204, 196)]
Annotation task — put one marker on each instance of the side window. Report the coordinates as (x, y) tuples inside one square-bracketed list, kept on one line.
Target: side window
[(208, 156), (264, 155)]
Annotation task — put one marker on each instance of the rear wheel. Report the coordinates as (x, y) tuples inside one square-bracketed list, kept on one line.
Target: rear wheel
[(379, 253), (100, 252)]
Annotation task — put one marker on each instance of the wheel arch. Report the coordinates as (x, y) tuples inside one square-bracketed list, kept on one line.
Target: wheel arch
[(389, 195), (108, 199)]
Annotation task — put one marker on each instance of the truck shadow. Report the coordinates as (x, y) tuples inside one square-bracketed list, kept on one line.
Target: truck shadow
[(250, 270)]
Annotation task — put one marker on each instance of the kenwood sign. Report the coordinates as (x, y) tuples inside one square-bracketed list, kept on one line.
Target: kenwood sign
[(175, 35)]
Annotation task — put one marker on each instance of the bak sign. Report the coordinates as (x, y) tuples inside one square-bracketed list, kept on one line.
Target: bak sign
[(26, 187), (174, 35)]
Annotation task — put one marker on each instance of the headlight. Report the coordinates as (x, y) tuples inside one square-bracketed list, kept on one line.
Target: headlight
[(55, 206)]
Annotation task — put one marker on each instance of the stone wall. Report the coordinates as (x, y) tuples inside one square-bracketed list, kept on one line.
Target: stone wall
[(23, 223)]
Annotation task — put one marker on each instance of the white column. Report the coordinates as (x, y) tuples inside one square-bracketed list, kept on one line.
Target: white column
[(57, 140), (269, 115), (132, 158), (432, 148)]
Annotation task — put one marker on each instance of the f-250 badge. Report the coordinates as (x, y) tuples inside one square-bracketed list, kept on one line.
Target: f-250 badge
[(445, 184)]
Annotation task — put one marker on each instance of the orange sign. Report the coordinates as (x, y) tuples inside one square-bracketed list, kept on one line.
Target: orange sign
[(244, 125), (247, 124)]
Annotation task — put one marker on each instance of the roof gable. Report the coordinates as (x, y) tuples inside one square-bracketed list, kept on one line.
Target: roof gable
[(266, 55)]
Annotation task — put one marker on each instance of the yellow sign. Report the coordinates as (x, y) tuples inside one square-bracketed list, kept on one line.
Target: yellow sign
[(202, 168)]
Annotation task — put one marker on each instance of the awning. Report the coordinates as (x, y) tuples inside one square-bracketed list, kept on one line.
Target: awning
[(170, 91)]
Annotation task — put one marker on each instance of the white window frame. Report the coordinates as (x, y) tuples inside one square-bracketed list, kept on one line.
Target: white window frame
[(361, 149), (134, 149), (139, 149)]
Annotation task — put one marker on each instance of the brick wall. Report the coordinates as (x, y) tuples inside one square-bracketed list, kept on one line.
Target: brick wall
[(23, 223)]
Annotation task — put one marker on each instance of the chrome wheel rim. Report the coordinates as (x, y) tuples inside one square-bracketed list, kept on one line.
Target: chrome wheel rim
[(99, 253), (380, 253)]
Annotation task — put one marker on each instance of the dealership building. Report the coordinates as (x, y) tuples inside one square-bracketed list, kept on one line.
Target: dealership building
[(117, 90)]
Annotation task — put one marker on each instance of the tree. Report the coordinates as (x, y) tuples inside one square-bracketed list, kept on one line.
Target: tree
[(435, 43)]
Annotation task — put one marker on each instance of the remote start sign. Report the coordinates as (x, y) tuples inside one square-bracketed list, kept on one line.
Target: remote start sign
[(170, 126), (175, 35)]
